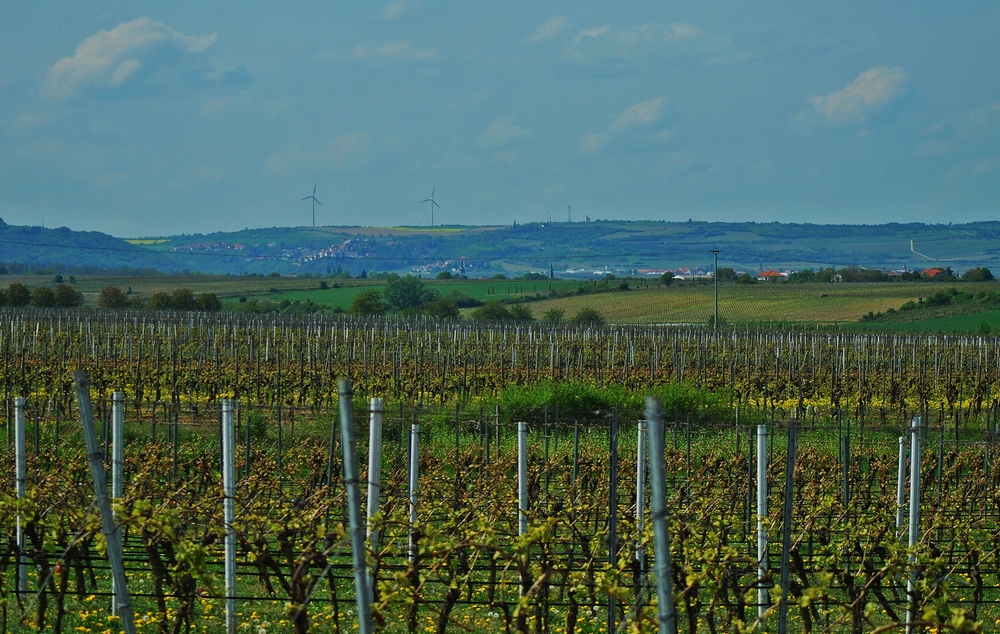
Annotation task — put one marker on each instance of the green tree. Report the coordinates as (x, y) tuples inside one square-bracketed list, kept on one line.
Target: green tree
[(802, 277), (463, 300), (667, 278), (445, 275), (18, 295), (491, 311), (209, 302), (726, 274), (588, 317), (43, 297), (160, 301), (554, 316), (183, 299), (825, 275), (68, 297), (112, 298), (443, 308), (977, 274), (367, 302), (520, 312), (408, 292)]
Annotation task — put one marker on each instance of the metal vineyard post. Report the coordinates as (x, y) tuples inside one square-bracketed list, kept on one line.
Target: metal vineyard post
[(228, 509), (117, 464), (19, 472), (364, 599), (112, 534), (666, 615)]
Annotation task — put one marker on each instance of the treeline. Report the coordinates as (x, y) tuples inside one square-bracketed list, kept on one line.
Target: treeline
[(950, 300), (861, 274), (114, 298), (58, 269), (409, 296), (18, 295)]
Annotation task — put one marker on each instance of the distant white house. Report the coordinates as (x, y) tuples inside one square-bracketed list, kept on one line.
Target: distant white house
[(772, 276)]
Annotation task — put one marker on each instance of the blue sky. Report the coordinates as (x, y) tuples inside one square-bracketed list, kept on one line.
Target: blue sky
[(149, 118)]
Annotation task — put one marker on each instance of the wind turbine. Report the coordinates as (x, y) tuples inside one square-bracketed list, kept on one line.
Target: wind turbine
[(317, 202), (432, 202)]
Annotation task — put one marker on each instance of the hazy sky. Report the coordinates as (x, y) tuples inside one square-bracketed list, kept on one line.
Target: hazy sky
[(145, 118)]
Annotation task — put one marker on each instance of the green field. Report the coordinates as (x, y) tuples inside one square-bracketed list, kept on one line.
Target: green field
[(972, 322), (816, 304), (481, 290), (647, 302)]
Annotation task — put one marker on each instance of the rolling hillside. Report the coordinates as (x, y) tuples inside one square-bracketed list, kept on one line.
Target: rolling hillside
[(595, 246)]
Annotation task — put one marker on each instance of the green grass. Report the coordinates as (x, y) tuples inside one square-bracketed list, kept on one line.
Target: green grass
[(967, 323), (808, 304), (481, 290), (743, 304)]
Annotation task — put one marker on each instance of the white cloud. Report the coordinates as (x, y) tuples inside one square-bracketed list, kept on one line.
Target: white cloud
[(617, 42), (871, 90), (630, 127), (343, 152), (549, 29), (397, 9), (109, 58), (967, 137), (398, 50), (217, 104), (642, 114), (593, 142), (503, 132), (205, 174), (968, 125), (29, 121)]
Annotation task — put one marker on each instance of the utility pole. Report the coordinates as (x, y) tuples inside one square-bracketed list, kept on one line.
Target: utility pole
[(715, 276)]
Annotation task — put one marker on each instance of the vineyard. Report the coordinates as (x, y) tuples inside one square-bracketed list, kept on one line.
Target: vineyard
[(461, 559)]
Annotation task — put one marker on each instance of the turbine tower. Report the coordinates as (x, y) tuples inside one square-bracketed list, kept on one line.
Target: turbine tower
[(432, 202), (315, 201)]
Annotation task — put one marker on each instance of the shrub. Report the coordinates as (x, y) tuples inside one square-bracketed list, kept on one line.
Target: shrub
[(209, 302), (18, 295), (68, 297), (554, 316), (588, 317), (367, 302), (491, 311), (112, 298), (43, 297)]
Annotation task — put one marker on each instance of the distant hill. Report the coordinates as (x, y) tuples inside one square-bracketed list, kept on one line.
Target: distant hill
[(37, 248), (598, 245)]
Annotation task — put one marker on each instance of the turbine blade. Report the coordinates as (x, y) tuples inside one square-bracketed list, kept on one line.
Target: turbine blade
[(307, 198), (425, 200), (314, 189), (317, 201)]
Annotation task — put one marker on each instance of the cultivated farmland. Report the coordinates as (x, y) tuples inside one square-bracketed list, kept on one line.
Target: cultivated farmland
[(467, 386)]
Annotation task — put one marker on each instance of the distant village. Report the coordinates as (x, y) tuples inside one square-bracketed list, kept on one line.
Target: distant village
[(466, 267)]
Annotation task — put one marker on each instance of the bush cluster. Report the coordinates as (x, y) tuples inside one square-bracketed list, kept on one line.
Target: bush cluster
[(62, 296), (114, 298)]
